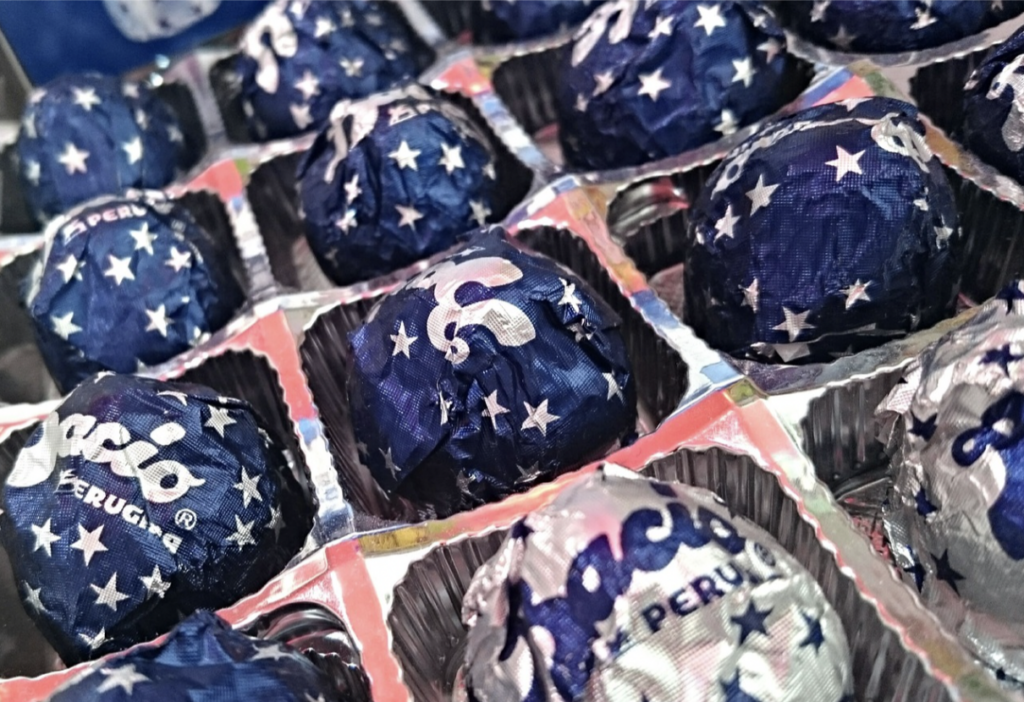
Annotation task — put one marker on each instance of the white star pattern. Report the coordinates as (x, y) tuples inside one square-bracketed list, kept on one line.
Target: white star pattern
[(724, 226), (538, 417), (662, 25), (924, 18), (32, 599), (403, 342), (155, 583), (44, 538), (219, 420), (921, 204), (761, 195), (651, 84), (130, 90), (613, 387), (603, 81), (744, 71), (569, 296), (324, 26), (489, 171), (178, 395), (243, 533), (308, 85), (273, 653), (120, 269), (133, 149), (408, 216), (174, 134), (352, 189), (300, 115), (94, 642), (493, 408), (352, 68), (580, 330), (710, 18), (143, 239), (179, 259), (452, 159), (480, 212), (751, 295), (158, 321), (247, 486), (108, 594), (32, 172), (845, 163), (771, 49), (276, 522), (389, 463), (842, 39), (124, 677), (404, 156), (68, 267), (794, 324), (818, 10), (73, 159), (347, 221), (857, 291), (65, 326), (789, 352), (89, 542), (141, 119), (85, 98), (943, 233), (728, 123), (581, 105)]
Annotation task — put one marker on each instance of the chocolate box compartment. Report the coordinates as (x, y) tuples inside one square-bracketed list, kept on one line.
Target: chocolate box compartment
[(241, 374), (272, 192), (425, 615), (23, 375), (661, 373)]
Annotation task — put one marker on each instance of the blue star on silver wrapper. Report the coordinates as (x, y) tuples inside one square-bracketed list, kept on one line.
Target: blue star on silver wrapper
[(300, 57), (647, 81), (124, 282), (139, 501), (955, 431), (202, 660), (893, 26), (392, 180), (825, 233), (515, 20), (490, 370), (631, 590), (993, 126), (83, 136)]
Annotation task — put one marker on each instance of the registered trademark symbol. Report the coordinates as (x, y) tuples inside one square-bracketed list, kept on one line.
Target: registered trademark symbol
[(186, 519)]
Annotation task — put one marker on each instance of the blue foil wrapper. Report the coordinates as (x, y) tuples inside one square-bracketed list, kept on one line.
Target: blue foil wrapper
[(626, 590), (490, 370), (647, 81), (392, 180), (300, 57), (202, 660), (825, 233), (893, 26), (127, 282), (514, 20), (955, 430), (993, 126), (139, 501), (83, 136)]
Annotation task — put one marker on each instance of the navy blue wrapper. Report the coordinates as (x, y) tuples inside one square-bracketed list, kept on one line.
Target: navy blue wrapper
[(83, 136), (392, 180), (512, 20), (825, 233), (127, 282), (137, 502), (646, 81), (891, 27), (299, 58), (491, 370), (202, 660), (993, 126)]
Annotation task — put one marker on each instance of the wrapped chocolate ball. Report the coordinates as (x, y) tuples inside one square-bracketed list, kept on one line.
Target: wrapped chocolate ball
[(866, 26), (138, 501), (490, 370), (514, 20), (993, 126), (126, 282), (630, 589), (392, 180), (299, 58), (83, 136), (644, 81), (825, 233), (202, 660)]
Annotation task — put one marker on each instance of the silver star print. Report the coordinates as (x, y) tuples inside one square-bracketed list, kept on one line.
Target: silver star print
[(85, 98), (710, 18), (179, 259), (32, 172), (727, 124), (750, 295), (403, 342), (124, 677), (452, 158), (353, 68), (64, 326), (68, 267), (405, 156), (94, 642), (308, 85), (352, 189), (347, 221), (247, 485), (89, 542), (604, 81), (794, 324), (569, 296), (44, 538), (219, 420), (143, 239), (389, 463), (158, 321), (133, 149), (613, 387), (761, 195), (581, 104), (300, 115), (493, 408), (943, 233), (725, 225), (921, 204), (818, 10), (32, 597), (651, 84), (408, 216), (480, 212), (771, 49), (857, 291), (843, 39), (924, 18), (276, 522), (108, 594), (141, 119), (538, 417), (662, 25), (269, 652), (243, 533), (130, 90), (324, 26), (745, 71), (73, 159), (845, 162), (120, 269), (155, 583)]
